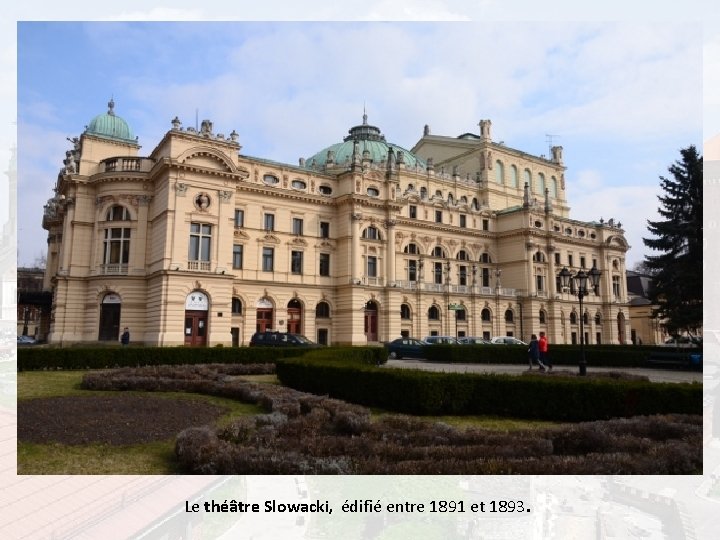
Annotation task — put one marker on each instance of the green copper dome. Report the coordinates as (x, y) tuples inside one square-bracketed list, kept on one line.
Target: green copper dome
[(371, 143), (110, 126)]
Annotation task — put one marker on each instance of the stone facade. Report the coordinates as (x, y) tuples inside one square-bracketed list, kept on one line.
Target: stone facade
[(198, 244)]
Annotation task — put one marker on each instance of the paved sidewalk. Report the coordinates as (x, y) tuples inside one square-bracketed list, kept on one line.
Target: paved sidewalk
[(655, 375)]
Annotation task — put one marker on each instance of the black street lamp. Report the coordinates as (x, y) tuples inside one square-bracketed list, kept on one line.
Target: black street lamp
[(579, 286)]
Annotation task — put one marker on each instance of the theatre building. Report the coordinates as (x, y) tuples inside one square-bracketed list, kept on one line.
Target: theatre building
[(196, 243)]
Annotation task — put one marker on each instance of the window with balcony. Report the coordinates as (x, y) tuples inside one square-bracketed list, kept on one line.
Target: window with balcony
[(438, 273), (412, 270), (199, 246), (116, 250)]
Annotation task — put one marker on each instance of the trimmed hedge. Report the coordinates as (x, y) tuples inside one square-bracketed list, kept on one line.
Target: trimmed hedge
[(543, 397), (559, 355), (30, 359), (38, 358)]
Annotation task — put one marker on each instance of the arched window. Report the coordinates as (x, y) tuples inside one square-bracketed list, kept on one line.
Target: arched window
[(460, 315), (499, 172), (371, 233), (543, 316), (509, 316), (513, 176), (541, 184), (485, 315), (411, 249), (553, 186), (475, 204), (463, 200), (527, 178), (438, 252), (463, 255), (539, 257), (485, 258), (322, 310), (573, 317), (451, 199), (423, 193), (117, 213), (586, 319), (433, 313), (598, 319), (236, 306), (438, 193), (405, 312)]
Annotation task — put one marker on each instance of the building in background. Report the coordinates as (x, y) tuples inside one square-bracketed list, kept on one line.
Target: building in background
[(199, 244)]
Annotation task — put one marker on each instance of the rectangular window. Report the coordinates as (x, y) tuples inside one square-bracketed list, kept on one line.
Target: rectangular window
[(325, 264), (437, 272), (324, 229), (297, 226), (540, 283), (296, 262), (595, 263), (117, 246), (269, 222), (582, 262), (237, 257), (438, 216), (486, 225), (372, 266), (268, 259), (463, 220), (616, 286), (239, 218), (557, 258), (570, 261), (200, 241), (485, 277), (462, 275), (412, 270), (412, 211)]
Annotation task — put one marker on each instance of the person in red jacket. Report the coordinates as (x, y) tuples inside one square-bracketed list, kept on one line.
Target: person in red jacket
[(543, 346)]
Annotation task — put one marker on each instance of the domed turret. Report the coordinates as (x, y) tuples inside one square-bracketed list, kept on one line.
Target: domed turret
[(371, 145), (110, 126)]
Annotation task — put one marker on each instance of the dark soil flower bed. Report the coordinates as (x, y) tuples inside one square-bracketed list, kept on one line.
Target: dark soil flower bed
[(116, 420), (308, 434)]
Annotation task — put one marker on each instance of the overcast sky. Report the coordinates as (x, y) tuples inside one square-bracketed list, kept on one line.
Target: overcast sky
[(622, 98)]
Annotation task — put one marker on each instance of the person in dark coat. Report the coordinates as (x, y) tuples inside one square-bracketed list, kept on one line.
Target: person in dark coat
[(534, 352), (125, 338)]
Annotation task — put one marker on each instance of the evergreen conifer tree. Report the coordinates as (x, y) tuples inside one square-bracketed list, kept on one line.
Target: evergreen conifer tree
[(677, 269)]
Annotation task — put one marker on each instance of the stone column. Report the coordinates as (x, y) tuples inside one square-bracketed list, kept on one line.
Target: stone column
[(390, 252)]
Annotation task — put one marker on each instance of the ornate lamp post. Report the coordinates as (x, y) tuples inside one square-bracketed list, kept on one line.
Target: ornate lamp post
[(579, 282)]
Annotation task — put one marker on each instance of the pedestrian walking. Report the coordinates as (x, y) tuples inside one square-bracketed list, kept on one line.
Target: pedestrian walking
[(125, 338), (543, 347), (534, 353)]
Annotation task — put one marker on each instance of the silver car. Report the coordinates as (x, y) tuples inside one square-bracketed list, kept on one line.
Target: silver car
[(507, 340), (446, 340)]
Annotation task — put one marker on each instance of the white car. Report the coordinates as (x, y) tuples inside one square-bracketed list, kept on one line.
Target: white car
[(507, 340)]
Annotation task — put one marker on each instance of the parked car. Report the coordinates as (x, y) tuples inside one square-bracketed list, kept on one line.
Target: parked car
[(434, 340), (472, 341), (406, 347), (683, 341), (507, 340), (280, 339), (26, 340)]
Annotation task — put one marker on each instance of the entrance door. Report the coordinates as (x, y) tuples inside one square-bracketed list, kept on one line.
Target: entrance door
[(371, 321), (264, 320), (110, 318), (294, 314), (196, 328)]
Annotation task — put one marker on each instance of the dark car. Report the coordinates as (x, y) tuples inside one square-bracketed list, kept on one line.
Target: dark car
[(404, 347), (280, 339)]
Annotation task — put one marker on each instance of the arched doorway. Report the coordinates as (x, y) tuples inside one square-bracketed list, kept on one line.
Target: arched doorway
[(294, 316), (110, 317), (371, 320), (264, 315), (196, 319), (621, 328)]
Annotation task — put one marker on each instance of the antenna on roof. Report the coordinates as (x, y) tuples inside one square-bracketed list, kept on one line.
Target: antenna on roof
[(549, 139), (196, 118)]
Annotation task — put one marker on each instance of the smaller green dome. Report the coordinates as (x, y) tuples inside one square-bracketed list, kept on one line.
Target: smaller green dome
[(110, 126)]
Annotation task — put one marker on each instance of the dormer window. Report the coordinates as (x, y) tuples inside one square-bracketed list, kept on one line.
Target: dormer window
[(298, 184), (325, 190), (373, 192), (270, 179)]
